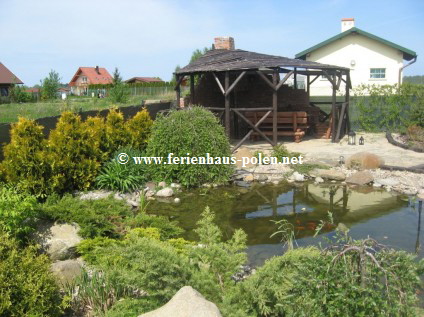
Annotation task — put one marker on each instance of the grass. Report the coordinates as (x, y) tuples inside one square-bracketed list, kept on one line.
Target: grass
[(11, 112)]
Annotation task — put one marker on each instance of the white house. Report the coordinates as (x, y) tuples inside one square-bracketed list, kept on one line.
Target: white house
[(371, 59)]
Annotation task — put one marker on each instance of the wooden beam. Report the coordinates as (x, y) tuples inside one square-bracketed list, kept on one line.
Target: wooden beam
[(312, 81), (178, 91), (179, 80), (270, 84), (228, 91), (192, 89), (281, 83), (339, 81), (295, 78), (347, 100), (274, 108), (330, 78), (333, 116), (341, 119), (227, 105), (219, 83)]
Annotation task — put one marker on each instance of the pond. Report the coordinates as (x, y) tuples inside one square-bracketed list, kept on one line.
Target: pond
[(393, 220)]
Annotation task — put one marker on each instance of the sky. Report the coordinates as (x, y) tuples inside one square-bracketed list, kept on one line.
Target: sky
[(149, 38)]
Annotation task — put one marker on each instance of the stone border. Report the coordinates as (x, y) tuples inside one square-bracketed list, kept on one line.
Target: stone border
[(403, 146)]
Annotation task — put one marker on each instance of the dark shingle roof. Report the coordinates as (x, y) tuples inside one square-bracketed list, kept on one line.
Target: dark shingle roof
[(227, 60), (407, 53)]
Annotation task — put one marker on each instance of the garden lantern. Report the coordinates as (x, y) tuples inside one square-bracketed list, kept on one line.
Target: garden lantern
[(361, 140), (352, 138), (341, 160)]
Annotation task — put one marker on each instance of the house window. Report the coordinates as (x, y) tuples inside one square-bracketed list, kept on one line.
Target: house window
[(377, 73), (84, 79)]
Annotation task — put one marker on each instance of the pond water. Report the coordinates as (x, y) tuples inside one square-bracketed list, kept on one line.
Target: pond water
[(393, 220)]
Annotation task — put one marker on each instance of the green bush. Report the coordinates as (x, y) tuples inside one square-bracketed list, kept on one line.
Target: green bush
[(73, 154), (122, 177), (192, 132), (308, 282), (17, 212), (116, 134), (27, 287), (144, 264), (26, 163), (102, 217)]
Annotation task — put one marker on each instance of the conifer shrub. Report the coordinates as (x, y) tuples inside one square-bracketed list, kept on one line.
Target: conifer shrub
[(116, 134), (74, 155), (27, 287), (193, 132), (26, 162), (139, 128)]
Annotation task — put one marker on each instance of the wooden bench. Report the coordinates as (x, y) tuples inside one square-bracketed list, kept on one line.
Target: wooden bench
[(289, 123)]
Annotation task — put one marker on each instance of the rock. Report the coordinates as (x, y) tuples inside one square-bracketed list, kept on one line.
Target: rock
[(95, 195), (66, 271), (175, 185), (57, 240), (328, 174), (248, 178), (275, 182), (177, 200), (410, 191), (187, 302), (162, 184), (386, 181), (364, 160), (243, 153), (242, 184), (297, 177), (342, 228), (262, 178), (360, 178), (150, 185), (149, 193), (165, 192), (421, 196), (319, 180)]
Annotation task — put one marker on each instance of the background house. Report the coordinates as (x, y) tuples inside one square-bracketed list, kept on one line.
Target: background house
[(371, 59), (86, 76), (135, 80), (7, 80)]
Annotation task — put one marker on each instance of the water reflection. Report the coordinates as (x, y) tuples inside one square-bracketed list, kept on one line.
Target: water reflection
[(389, 218)]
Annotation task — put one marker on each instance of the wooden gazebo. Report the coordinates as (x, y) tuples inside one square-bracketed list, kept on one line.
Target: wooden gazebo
[(230, 71)]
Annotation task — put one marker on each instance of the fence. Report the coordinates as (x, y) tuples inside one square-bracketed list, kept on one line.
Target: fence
[(49, 123)]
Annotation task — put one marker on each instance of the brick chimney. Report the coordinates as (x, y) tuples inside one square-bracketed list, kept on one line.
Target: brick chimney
[(224, 43), (347, 23), (97, 70)]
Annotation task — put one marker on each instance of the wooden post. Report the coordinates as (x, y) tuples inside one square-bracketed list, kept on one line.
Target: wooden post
[(333, 112), (347, 98), (274, 107), (308, 87), (227, 105), (178, 90), (192, 89), (295, 78)]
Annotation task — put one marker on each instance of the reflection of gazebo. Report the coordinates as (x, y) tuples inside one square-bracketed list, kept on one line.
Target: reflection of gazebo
[(233, 82)]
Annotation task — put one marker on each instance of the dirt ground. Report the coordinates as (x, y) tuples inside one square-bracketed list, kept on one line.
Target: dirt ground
[(322, 150)]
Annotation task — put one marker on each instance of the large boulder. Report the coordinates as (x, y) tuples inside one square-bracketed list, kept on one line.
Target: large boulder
[(360, 178), (66, 271), (58, 240), (328, 174), (364, 160), (187, 302), (165, 192)]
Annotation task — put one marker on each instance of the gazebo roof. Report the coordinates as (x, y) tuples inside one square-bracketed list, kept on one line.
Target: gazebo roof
[(232, 60)]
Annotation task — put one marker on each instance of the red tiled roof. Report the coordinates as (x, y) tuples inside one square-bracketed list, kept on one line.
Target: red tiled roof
[(34, 90), (7, 77), (144, 80), (93, 77)]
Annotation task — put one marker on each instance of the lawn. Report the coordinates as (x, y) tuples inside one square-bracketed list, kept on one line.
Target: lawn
[(11, 112)]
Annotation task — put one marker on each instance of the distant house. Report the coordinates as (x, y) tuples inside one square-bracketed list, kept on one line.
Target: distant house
[(135, 80), (86, 76), (371, 59), (7, 80)]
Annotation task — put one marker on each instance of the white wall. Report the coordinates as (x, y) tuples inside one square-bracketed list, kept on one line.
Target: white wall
[(366, 53)]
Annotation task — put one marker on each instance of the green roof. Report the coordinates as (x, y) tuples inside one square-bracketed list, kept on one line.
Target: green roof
[(407, 54)]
